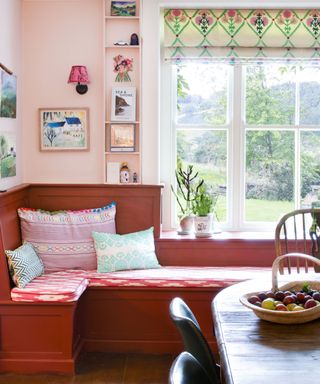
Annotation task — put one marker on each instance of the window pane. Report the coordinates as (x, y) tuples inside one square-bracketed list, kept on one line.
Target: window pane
[(310, 167), (269, 174), (207, 152), (270, 94), (202, 93), (309, 95)]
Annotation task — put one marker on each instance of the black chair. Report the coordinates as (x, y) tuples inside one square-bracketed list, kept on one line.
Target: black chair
[(193, 339), (187, 370)]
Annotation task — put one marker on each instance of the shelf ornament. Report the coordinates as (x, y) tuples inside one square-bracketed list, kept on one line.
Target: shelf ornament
[(121, 67)]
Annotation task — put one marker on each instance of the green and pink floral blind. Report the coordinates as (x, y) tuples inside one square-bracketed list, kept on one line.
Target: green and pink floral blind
[(235, 33)]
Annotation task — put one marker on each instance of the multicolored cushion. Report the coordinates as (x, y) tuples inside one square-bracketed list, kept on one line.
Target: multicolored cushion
[(62, 286), (63, 239), (177, 277), (69, 285), (24, 265), (131, 251)]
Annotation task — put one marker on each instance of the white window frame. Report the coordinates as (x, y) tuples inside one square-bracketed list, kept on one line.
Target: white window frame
[(236, 132)]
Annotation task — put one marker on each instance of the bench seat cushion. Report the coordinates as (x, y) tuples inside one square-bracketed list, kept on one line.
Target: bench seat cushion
[(59, 287), (179, 277), (66, 286)]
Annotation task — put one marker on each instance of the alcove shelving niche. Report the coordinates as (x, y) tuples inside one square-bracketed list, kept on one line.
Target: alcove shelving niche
[(122, 43)]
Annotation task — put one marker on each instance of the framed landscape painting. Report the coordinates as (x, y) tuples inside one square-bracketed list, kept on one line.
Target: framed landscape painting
[(7, 154), (123, 8), (64, 129), (8, 95)]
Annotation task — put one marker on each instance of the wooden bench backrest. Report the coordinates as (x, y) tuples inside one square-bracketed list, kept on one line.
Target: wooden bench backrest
[(138, 208)]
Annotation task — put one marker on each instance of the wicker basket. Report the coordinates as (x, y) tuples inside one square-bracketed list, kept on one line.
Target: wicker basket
[(284, 317)]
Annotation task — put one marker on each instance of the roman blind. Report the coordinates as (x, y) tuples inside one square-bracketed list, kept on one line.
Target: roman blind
[(239, 33)]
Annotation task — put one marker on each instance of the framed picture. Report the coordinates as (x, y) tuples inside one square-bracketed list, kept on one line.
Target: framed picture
[(123, 8), (122, 137), (123, 104), (64, 129), (7, 154), (8, 95)]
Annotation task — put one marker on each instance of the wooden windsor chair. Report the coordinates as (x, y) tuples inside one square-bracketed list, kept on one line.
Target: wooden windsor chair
[(298, 232)]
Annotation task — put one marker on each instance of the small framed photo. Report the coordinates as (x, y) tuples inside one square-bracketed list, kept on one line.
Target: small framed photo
[(123, 8), (64, 129), (123, 104), (122, 137)]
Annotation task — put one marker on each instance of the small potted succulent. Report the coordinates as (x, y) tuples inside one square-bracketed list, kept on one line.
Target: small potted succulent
[(203, 207), (188, 185)]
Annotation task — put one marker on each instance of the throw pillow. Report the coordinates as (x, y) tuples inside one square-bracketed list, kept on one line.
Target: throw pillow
[(131, 251), (63, 238), (24, 265)]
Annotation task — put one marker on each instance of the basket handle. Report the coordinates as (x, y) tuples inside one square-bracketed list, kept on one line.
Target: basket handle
[(276, 262)]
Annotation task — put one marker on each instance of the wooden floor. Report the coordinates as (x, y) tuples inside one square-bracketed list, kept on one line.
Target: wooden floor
[(102, 368)]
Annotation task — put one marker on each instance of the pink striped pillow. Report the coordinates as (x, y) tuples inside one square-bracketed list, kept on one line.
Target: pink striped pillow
[(63, 239)]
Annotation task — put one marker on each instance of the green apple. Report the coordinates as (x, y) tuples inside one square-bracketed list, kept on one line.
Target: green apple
[(268, 304)]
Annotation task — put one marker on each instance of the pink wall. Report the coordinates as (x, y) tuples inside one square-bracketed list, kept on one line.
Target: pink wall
[(57, 35), (10, 56)]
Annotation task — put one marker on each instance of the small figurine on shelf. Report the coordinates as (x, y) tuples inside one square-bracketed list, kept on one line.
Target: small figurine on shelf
[(124, 173), (135, 177), (134, 39)]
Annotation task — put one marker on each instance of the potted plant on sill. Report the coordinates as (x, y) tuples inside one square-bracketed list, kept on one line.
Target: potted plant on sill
[(188, 186), (203, 207)]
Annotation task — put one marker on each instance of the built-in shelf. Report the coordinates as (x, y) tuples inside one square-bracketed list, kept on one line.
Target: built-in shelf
[(121, 18), (122, 28), (122, 122), (121, 153), (122, 46)]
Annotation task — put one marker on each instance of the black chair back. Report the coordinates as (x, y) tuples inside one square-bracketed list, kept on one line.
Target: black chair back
[(187, 370), (193, 338)]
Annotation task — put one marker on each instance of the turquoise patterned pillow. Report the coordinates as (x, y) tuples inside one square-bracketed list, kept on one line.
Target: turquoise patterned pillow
[(24, 265), (132, 251)]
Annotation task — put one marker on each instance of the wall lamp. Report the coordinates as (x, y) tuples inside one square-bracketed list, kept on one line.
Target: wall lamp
[(79, 75)]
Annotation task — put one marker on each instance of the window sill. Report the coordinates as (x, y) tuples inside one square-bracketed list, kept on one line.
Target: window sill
[(223, 235)]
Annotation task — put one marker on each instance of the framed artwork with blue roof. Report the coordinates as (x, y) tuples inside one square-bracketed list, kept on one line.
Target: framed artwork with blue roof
[(64, 129)]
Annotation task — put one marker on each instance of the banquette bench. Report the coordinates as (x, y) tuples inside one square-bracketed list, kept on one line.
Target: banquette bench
[(128, 311)]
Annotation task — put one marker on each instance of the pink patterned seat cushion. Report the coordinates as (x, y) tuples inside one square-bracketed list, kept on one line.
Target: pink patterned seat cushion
[(177, 277), (63, 286)]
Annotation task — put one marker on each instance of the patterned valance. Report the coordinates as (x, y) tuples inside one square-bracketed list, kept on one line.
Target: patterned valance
[(231, 33)]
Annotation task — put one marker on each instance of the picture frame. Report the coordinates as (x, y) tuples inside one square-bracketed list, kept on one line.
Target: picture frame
[(122, 137), (64, 129), (123, 104), (8, 95), (123, 8)]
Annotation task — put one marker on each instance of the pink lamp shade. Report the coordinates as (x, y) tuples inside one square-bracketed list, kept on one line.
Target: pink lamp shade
[(79, 75)]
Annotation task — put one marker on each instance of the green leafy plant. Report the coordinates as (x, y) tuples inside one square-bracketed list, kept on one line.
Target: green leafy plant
[(188, 186), (205, 201)]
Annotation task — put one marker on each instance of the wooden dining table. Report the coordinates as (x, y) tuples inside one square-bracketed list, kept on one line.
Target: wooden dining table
[(254, 351)]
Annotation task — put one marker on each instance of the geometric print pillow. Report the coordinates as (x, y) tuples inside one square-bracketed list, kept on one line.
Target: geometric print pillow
[(120, 252), (24, 265), (63, 239)]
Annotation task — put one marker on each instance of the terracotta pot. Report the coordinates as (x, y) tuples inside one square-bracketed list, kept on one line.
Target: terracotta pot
[(186, 225)]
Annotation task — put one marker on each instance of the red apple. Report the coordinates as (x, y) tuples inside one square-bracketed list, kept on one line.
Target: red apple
[(253, 299), (316, 296), (288, 300), (310, 304), (279, 295), (270, 294), (281, 307)]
